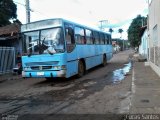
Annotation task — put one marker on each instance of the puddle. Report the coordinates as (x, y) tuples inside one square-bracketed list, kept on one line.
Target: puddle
[(119, 74)]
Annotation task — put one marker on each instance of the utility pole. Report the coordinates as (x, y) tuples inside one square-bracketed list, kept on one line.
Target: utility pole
[(123, 44), (102, 22), (27, 12)]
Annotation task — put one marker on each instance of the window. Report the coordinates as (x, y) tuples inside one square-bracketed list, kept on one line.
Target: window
[(48, 41), (107, 39), (89, 36), (69, 37), (102, 39), (31, 43), (69, 34), (80, 35), (52, 41), (96, 37), (110, 40)]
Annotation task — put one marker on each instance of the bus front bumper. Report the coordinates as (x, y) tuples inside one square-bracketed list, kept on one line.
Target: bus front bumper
[(42, 74)]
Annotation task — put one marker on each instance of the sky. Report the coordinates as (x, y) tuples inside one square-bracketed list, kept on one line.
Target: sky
[(116, 13)]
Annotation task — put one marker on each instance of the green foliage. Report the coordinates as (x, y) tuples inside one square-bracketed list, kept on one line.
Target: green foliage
[(17, 21), (111, 30), (134, 31), (120, 30), (8, 11)]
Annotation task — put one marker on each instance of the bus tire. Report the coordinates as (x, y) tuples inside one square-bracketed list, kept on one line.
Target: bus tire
[(104, 63), (81, 69)]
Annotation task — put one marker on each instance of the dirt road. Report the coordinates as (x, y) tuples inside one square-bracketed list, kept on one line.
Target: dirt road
[(102, 90)]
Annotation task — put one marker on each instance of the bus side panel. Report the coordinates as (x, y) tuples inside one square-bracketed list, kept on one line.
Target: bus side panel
[(72, 68), (103, 49), (84, 51), (93, 61), (72, 63), (109, 52), (97, 49)]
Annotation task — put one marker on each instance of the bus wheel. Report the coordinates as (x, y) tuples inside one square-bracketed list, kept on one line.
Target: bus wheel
[(104, 60), (81, 69)]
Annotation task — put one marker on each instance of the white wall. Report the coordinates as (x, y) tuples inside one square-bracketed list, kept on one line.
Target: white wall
[(143, 48), (154, 35)]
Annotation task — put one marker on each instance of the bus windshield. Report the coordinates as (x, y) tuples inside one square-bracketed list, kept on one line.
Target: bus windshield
[(47, 41)]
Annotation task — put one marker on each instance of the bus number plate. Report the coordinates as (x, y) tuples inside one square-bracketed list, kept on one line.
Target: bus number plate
[(40, 73)]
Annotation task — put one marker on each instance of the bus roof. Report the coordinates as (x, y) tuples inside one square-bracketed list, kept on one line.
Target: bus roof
[(50, 23), (42, 24)]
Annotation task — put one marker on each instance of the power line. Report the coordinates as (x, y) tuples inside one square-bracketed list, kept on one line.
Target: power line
[(41, 13), (28, 9), (20, 3), (23, 5)]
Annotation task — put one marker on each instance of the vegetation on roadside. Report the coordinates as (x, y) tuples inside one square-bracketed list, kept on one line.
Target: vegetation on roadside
[(8, 12), (134, 31)]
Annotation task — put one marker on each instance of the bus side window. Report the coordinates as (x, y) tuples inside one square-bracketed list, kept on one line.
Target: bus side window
[(106, 39), (89, 36), (80, 35), (97, 39), (108, 42), (69, 37), (102, 39)]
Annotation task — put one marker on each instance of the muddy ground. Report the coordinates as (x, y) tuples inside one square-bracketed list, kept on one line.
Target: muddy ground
[(102, 90)]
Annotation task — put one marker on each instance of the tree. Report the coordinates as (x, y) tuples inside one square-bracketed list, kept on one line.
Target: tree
[(120, 31), (111, 30), (134, 31), (8, 11), (17, 21)]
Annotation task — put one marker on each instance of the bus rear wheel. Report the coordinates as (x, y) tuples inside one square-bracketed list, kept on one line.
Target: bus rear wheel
[(104, 63), (81, 69)]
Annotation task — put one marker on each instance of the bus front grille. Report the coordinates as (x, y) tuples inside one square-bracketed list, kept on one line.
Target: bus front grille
[(41, 67), (48, 63)]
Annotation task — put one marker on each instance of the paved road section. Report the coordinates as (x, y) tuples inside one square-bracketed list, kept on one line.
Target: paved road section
[(123, 86), (102, 90)]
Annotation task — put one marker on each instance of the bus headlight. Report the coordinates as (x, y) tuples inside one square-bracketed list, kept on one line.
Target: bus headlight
[(63, 67), (26, 68), (56, 67)]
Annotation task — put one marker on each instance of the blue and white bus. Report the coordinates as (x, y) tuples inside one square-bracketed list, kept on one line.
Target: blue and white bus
[(61, 48)]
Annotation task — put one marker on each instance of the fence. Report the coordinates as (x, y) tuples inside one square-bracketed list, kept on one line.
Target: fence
[(7, 59)]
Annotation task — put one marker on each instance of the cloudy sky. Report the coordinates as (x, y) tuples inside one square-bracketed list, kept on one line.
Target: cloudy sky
[(117, 13)]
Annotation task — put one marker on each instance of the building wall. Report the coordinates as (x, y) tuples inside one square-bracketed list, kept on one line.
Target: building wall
[(143, 48), (154, 35)]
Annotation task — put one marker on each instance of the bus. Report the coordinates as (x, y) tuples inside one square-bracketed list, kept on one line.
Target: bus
[(60, 48)]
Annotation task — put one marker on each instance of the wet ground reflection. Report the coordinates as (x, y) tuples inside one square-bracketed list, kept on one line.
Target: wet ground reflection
[(120, 74)]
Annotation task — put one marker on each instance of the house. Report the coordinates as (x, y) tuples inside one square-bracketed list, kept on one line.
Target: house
[(9, 36), (143, 48), (121, 44), (154, 35), (115, 44), (10, 46)]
